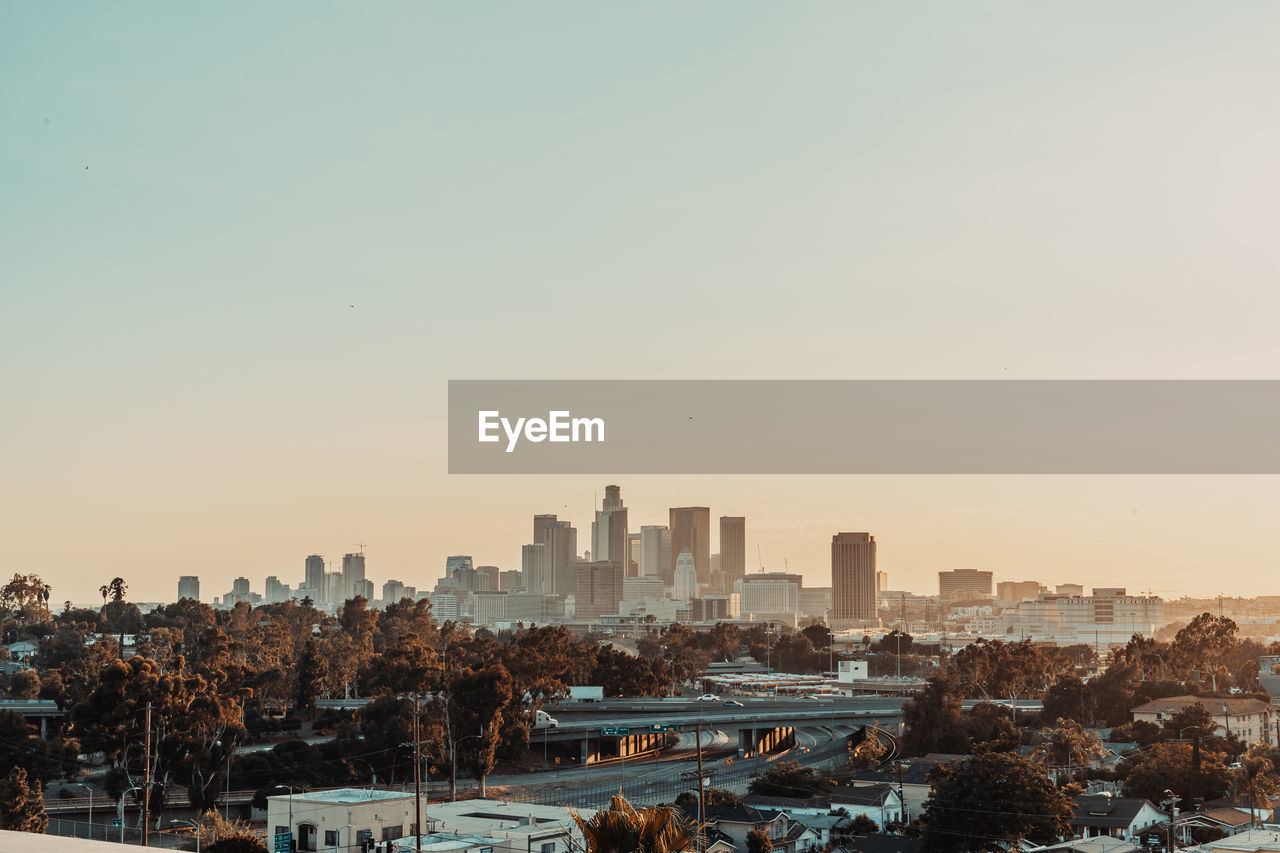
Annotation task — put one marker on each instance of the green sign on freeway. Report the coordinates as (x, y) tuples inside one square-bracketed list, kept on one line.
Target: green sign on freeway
[(664, 727), (284, 842), (615, 731)]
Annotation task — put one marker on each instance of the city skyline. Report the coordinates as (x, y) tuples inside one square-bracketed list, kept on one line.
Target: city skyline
[(896, 550)]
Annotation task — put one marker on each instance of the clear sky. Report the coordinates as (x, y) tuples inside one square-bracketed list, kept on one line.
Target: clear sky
[(243, 247)]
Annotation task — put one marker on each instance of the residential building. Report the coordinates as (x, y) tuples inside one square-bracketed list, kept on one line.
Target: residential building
[(1115, 817), (313, 578), (1245, 717), (352, 574)]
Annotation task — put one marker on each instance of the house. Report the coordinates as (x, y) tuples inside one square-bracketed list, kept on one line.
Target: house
[(911, 781), (1253, 841), (735, 822), (1097, 844), (22, 652), (1116, 817), (1232, 821), (879, 801), (815, 813), (1247, 718)]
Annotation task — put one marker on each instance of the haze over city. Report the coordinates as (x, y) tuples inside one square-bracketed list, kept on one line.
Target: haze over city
[(234, 291)]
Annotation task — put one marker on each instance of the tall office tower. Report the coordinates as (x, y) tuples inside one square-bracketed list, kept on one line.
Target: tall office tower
[(691, 528), (733, 549), (510, 580), (453, 564), (189, 587), (333, 588), (561, 542), (634, 554), (313, 577), (655, 550), (240, 586), (686, 578), (597, 589), (562, 539), (853, 578), (487, 578), (609, 531), (962, 584), (364, 589), (882, 581), (352, 573), (535, 568)]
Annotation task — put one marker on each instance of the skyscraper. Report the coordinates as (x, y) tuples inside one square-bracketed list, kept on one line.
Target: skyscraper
[(553, 570), (853, 578), (352, 574), (686, 577), (655, 550), (313, 578), (189, 587), (733, 549), (691, 528), (609, 531)]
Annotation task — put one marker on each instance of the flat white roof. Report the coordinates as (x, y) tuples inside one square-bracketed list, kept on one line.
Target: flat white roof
[(343, 796), (30, 842)]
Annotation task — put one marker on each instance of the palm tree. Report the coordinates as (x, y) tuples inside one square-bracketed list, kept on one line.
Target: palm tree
[(622, 828)]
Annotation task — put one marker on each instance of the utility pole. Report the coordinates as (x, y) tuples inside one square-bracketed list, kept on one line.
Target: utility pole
[(146, 775), (417, 779), (1170, 802), (702, 798)]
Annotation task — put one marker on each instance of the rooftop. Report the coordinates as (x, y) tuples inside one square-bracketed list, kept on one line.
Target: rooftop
[(343, 796), (1173, 704)]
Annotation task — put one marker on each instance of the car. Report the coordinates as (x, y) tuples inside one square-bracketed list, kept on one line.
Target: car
[(708, 697), (733, 704)]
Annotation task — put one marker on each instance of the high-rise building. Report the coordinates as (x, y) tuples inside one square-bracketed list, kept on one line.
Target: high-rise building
[(963, 584), (275, 591), (691, 528), (189, 587), (635, 549), (313, 578), (609, 537), (770, 594), (352, 574), (555, 572), (597, 589), (882, 581), (733, 549), (510, 580), (393, 591), (535, 565), (686, 579), (853, 579), (655, 550)]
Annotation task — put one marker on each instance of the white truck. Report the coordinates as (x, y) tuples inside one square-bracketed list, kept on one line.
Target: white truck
[(543, 720), (586, 693)]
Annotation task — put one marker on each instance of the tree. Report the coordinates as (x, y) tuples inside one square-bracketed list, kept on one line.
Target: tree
[(863, 825), (992, 801), (1256, 778), (711, 796), (1066, 744), (759, 842), (932, 720), (1171, 766), (27, 598), (622, 828), (789, 779), (1069, 699), (21, 804)]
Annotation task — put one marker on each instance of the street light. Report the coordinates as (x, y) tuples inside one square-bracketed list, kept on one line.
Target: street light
[(120, 809), (191, 823), (90, 790)]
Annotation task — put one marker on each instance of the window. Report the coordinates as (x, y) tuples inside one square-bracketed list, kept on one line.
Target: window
[(548, 847), (330, 838), (486, 850), (280, 830)]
